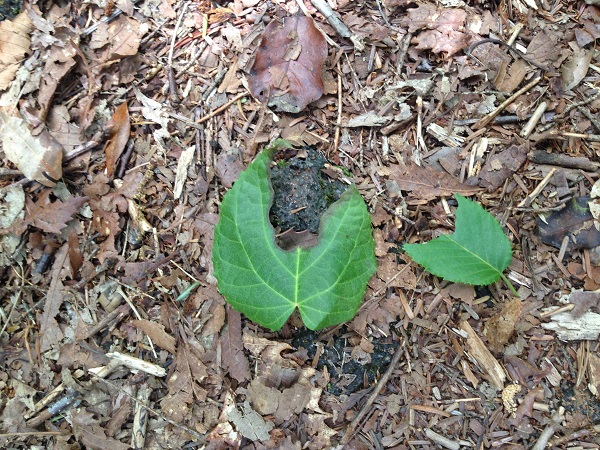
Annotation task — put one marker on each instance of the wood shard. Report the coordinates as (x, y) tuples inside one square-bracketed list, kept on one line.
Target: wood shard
[(484, 357)]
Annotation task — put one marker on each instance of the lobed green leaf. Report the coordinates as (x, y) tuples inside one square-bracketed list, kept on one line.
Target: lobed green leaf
[(326, 282)]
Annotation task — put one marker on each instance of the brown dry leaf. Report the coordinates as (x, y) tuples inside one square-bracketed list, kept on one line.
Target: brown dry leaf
[(584, 301), (249, 423), (501, 326), (91, 434), (39, 158), (234, 360), (543, 48), (124, 39), (287, 69), (59, 61), (394, 274), (576, 68), (50, 332), (14, 44), (156, 332), (320, 434), (298, 135), (442, 28), (574, 221), (502, 166), (427, 183), (119, 127), (184, 384), (228, 167), (508, 80), (47, 215), (60, 127), (282, 404)]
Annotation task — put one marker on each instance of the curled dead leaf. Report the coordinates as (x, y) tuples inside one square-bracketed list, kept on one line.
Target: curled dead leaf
[(119, 127)]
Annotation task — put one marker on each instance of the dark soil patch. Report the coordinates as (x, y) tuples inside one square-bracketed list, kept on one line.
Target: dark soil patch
[(302, 192)]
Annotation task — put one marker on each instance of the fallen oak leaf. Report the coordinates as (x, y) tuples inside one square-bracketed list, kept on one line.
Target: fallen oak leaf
[(47, 215), (287, 70)]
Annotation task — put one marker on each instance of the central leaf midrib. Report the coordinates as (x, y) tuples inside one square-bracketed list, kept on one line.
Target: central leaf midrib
[(470, 252)]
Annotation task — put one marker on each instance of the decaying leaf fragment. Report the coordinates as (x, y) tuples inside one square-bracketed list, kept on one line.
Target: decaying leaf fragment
[(39, 158), (287, 69), (501, 326), (575, 221)]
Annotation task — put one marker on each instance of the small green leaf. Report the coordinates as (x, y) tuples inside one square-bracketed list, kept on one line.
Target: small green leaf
[(476, 253), (326, 282)]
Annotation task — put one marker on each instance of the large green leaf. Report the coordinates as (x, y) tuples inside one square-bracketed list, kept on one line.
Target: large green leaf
[(326, 282), (476, 253)]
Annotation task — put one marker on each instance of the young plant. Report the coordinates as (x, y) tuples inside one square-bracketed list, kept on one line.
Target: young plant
[(326, 282), (476, 253)]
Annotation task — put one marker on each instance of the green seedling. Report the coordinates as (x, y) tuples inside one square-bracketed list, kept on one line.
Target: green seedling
[(476, 253), (326, 282)]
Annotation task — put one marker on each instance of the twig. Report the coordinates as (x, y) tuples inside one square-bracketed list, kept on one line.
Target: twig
[(221, 108), (489, 117), (403, 51), (531, 197), (134, 363), (337, 23), (441, 440), (125, 157), (590, 116), (336, 140), (548, 432), (534, 119), (378, 388), (548, 117), (64, 401), (562, 160), (34, 433), (172, 84), (140, 420)]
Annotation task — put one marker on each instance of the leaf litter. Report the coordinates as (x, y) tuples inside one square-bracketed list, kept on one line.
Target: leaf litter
[(94, 260)]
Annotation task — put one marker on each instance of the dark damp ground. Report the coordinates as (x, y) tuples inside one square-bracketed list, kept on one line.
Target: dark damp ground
[(347, 374), (302, 192)]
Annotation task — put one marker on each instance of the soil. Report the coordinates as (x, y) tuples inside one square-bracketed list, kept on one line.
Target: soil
[(302, 192)]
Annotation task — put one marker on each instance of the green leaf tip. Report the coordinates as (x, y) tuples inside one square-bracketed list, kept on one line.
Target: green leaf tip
[(326, 282), (476, 253)]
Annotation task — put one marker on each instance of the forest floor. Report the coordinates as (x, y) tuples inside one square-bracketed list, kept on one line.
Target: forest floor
[(135, 117)]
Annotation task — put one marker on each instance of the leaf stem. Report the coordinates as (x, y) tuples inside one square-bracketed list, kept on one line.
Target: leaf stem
[(509, 284)]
